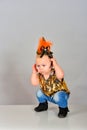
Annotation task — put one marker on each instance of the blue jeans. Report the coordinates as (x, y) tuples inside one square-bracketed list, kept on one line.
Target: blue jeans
[(60, 98)]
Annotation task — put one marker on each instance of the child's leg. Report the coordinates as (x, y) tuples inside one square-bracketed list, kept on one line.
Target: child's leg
[(61, 98), (43, 104), (41, 96)]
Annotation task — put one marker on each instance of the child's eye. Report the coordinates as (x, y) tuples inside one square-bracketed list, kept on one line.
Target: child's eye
[(38, 66), (43, 65)]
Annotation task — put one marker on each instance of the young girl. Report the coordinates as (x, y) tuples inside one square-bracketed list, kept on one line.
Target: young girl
[(47, 73)]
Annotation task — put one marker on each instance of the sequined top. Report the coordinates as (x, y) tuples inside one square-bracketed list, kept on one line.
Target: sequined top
[(52, 84)]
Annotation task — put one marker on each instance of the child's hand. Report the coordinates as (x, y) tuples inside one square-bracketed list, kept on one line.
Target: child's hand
[(54, 62), (58, 70), (34, 69)]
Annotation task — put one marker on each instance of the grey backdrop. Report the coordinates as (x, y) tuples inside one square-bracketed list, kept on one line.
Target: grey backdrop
[(22, 23)]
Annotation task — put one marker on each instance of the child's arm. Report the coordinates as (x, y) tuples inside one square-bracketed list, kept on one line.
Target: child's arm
[(34, 76), (58, 70)]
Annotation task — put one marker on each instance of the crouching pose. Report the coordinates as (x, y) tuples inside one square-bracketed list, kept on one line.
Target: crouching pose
[(47, 73)]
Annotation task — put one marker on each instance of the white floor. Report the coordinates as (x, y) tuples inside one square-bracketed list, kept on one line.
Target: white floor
[(23, 117)]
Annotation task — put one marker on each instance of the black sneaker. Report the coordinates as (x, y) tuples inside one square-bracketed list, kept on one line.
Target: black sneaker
[(41, 107), (63, 112)]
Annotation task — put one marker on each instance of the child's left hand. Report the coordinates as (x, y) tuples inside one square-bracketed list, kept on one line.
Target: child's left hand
[(54, 62)]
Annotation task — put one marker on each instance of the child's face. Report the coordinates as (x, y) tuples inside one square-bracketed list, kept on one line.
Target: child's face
[(43, 64)]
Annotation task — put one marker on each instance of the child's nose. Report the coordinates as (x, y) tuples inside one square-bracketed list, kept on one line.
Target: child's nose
[(41, 67)]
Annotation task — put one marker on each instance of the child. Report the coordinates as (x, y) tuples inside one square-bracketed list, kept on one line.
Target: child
[(47, 73)]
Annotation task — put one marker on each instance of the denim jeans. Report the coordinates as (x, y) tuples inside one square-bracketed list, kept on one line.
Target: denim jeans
[(60, 98)]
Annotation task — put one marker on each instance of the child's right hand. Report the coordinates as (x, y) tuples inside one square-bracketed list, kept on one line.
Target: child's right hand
[(34, 69)]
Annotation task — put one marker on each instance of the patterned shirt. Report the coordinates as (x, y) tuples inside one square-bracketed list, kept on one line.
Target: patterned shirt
[(52, 84)]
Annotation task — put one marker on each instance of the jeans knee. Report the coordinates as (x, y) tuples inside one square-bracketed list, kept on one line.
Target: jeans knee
[(39, 93), (40, 96), (60, 97), (56, 98)]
